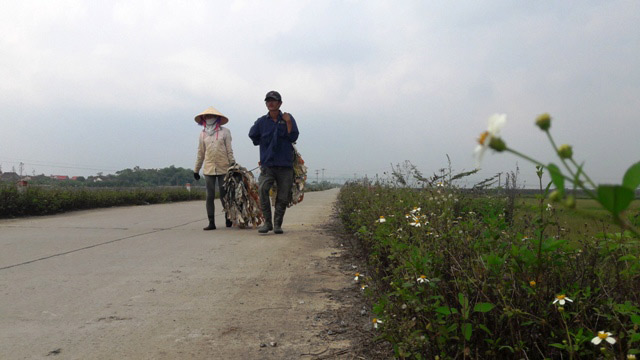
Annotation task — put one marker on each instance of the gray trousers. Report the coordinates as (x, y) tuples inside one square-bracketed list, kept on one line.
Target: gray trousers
[(283, 178), (210, 182)]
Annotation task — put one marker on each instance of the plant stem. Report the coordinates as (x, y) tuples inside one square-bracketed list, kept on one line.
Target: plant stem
[(585, 174), (517, 153), (625, 225), (542, 227), (568, 336), (573, 180), (576, 181)]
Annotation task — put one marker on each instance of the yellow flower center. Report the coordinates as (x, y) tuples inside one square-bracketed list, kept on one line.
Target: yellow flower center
[(560, 297), (532, 283), (603, 335), (423, 277), (374, 320), (483, 137), (357, 274)]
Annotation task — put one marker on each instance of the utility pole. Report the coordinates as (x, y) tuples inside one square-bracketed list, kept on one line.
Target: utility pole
[(317, 171), (499, 176), (322, 174)]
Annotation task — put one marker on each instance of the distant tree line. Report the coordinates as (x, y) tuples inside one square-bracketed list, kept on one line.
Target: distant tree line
[(136, 177)]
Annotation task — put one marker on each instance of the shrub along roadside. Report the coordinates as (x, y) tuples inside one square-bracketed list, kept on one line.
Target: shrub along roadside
[(451, 278), (46, 201)]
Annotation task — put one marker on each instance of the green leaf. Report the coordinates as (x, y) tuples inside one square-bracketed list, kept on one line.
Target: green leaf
[(635, 319), (445, 310), (483, 307), (485, 329), (508, 348), (631, 178), (627, 258), (463, 300), (559, 346), (466, 331), (452, 328), (615, 198), (556, 177), (552, 244), (494, 261)]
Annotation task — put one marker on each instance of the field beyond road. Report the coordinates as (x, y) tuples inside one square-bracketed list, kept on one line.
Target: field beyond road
[(146, 282)]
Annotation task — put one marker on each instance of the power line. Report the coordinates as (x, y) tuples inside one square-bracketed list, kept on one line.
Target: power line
[(54, 165)]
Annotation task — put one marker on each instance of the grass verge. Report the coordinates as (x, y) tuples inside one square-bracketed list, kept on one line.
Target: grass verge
[(451, 276), (46, 201)]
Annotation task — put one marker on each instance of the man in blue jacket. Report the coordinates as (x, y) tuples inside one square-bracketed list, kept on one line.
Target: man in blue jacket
[(275, 132)]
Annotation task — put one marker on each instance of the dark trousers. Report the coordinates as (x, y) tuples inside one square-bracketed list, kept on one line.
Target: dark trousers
[(283, 178), (210, 181)]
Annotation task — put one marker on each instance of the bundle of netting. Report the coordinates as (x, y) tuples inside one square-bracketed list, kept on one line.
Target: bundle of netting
[(299, 178), (242, 201)]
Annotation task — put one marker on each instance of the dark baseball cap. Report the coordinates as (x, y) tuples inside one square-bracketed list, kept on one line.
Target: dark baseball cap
[(273, 95)]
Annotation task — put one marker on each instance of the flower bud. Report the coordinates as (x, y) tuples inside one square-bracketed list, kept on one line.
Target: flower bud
[(555, 196), (544, 121), (565, 151), (570, 202), (497, 144)]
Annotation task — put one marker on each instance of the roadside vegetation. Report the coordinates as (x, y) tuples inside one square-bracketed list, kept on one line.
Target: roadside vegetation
[(320, 186), (487, 274), (44, 195), (136, 177), (36, 200)]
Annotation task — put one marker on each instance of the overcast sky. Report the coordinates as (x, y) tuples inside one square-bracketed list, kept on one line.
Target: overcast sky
[(101, 86)]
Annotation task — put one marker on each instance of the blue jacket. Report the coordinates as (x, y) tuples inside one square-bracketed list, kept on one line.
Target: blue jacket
[(276, 145)]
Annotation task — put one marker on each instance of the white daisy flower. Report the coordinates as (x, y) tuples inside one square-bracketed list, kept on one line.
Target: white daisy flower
[(606, 336), (422, 279), (375, 322), (561, 299), (496, 123)]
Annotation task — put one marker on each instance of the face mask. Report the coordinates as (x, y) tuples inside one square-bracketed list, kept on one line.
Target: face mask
[(211, 121)]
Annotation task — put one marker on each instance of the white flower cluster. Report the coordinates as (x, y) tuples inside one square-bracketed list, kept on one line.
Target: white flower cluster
[(416, 219)]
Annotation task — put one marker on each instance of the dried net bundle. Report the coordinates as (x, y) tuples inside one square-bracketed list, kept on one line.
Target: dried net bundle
[(242, 201), (299, 179)]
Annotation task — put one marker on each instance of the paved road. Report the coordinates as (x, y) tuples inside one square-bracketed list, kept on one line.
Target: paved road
[(146, 282)]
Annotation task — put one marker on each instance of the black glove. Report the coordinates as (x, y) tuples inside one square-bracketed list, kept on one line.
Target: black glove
[(196, 176)]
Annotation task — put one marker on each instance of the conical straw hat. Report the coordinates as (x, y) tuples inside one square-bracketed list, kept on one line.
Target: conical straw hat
[(211, 111)]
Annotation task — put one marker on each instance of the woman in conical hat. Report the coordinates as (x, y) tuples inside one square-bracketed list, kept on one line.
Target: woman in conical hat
[(215, 156)]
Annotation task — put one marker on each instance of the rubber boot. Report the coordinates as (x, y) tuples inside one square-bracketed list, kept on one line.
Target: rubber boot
[(266, 227), (228, 222), (277, 220), (212, 224)]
